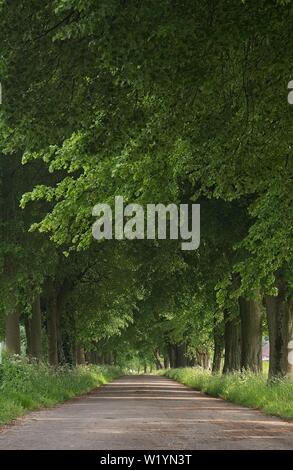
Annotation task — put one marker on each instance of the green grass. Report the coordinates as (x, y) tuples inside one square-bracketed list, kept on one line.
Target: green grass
[(25, 386), (242, 388)]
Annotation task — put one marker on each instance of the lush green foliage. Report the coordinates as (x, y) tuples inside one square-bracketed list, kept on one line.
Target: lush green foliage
[(157, 101), (242, 388), (28, 386)]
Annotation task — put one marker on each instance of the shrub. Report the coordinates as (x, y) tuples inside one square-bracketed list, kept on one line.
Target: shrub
[(242, 388), (28, 385)]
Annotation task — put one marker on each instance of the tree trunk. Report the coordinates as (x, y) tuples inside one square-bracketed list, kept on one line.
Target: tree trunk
[(191, 362), (280, 324), (290, 358), (166, 361), (99, 359), (110, 358), (27, 327), (102, 358), (206, 360), (88, 356), (114, 359), (52, 330), (181, 360), (80, 355), (251, 334), (232, 339), (172, 356), (202, 359), (12, 333), (158, 360), (74, 353), (36, 329), (218, 348), (60, 305), (217, 358)]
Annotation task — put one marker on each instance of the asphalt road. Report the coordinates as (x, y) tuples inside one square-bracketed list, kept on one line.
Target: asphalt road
[(147, 412)]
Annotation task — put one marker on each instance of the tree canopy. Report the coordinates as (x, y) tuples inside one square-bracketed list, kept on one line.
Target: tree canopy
[(158, 102)]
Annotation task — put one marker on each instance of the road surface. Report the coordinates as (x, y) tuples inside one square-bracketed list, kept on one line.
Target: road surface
[(147, 412)]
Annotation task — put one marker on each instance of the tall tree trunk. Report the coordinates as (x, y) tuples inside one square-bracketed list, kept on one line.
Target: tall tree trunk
[(108, 358), (74, 353), (158, 360), (89, 356), (60, 305), (280, 323), (98, 358), (12, 333), (172, 355), (52, 330), (114, 359), (36, 329), (217, 358), (102, 358), (206, 360), (290, 358), (27, 327), (232, 339), (251, 334), (203, 359), (181, 360), (191, 362), (80, 355), (166, 361), (111, 360), (218, 348)]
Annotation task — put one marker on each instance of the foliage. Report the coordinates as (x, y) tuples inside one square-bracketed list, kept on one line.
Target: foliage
[(29, 386), (242, 388), (158, 102)]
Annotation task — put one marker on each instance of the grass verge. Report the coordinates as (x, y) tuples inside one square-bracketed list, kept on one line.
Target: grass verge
[(28, 386), (242, 388)]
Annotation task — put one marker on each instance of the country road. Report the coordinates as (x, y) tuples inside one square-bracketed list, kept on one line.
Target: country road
[(147, 412)]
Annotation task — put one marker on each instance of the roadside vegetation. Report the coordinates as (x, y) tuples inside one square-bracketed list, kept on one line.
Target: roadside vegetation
[(246, 389), (28, 386), (161, 102)]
